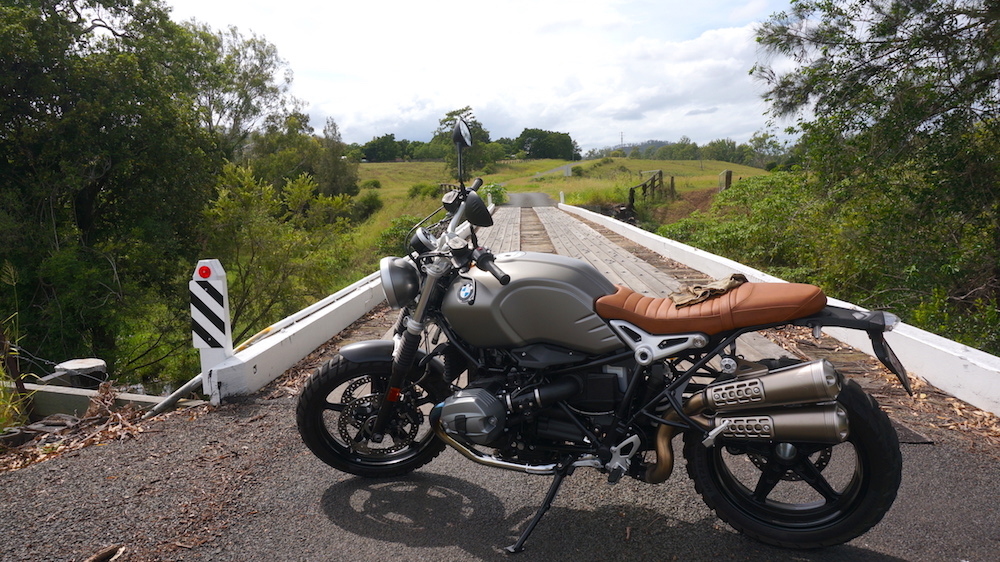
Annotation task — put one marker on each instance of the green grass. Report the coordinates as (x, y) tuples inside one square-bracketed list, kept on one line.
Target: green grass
[(603, 183), (396, 179), (11, 405)]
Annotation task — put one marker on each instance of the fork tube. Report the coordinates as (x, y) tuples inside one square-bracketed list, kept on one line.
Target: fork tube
[(406, 351)]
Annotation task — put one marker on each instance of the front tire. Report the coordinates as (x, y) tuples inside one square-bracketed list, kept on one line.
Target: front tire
[(340, 400), (825, 495)]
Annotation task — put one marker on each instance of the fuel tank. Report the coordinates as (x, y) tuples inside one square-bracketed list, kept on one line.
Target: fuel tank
[(550, 299)]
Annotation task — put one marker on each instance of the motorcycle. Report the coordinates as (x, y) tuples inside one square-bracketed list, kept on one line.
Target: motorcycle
[(537, 363)]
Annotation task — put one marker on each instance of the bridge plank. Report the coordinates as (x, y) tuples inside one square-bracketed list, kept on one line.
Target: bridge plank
[(505, 234), (576, 239)]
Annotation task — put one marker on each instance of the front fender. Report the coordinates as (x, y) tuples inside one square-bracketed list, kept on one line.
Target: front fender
[(372, 351)]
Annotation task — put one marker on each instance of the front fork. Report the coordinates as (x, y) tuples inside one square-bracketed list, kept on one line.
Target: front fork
[(406, 348)]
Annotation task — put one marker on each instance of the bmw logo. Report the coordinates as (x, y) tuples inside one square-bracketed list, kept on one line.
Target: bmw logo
[(467, 292)]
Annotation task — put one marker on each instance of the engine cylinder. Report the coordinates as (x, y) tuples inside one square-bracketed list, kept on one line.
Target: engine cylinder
[(474, 414)]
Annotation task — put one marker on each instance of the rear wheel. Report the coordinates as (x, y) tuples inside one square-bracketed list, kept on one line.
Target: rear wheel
[(803, 495), (338, 407)]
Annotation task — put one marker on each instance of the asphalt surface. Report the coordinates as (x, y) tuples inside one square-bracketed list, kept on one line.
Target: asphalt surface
[(236, 484), (529, 200)]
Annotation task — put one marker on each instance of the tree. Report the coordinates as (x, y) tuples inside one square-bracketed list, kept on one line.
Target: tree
[(474, 157), (238, 82), (538, 143), (725, 150), (114, 123), (905, 95), (106, 168), (277, 245), (764, 149), (886, 77), (335, 173), (382, 149), (283, 149)]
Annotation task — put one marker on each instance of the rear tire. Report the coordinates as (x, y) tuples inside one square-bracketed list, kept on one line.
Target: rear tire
[(826, 495), (342, 398)]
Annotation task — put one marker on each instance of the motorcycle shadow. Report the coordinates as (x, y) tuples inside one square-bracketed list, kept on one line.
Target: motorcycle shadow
[(426, 510)]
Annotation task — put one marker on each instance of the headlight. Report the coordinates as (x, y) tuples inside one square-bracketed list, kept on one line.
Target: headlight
[(400, 281)]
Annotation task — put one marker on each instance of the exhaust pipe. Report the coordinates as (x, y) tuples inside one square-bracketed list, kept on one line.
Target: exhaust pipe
[(757, 399)]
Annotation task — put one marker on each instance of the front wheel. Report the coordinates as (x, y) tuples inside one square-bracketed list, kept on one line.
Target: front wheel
[(802, 495), (338, 407)]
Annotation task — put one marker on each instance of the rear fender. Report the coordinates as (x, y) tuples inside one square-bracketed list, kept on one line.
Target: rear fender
[(873, 322)]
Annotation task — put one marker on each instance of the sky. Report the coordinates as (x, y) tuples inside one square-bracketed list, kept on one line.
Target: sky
[(601, 70)]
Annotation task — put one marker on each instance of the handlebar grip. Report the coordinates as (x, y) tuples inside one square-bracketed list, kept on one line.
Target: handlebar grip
[(502, 277), (484, 260), (476, 184)]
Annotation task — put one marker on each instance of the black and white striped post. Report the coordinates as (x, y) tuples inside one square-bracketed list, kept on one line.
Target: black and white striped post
[(210, 323)]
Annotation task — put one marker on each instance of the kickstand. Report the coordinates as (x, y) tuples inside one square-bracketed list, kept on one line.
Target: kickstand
[(562, 471)]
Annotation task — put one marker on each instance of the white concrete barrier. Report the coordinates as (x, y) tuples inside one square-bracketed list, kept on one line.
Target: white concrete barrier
[(966, 373), (251, 368)]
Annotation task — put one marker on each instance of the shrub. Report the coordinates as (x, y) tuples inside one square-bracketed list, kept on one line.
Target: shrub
[(497, 191), (365, 205), (418, 190), (393, 239)]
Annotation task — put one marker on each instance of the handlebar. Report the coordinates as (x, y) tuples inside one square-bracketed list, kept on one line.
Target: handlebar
[(484, 260), (476, 184)]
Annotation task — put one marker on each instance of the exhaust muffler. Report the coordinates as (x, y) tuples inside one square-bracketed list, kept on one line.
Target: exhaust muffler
[(816, 381), (825, 423), (748, 409)]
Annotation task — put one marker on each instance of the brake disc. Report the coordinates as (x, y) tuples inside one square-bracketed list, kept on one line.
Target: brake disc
[(358, 416)]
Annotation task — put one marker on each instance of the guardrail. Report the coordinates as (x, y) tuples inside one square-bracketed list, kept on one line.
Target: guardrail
[(964, 372), (254, 366)]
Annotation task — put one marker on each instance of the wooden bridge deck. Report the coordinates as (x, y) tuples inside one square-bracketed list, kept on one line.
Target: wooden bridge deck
[(571, 237), (574, 238)]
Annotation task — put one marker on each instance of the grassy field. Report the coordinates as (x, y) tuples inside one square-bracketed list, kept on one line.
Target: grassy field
[(602, 182)]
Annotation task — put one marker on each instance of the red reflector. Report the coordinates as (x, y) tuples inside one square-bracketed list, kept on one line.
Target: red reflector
[(205, 272), (393, 395)]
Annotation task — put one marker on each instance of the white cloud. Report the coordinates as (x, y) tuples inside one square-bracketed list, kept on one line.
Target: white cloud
[(592, 68)]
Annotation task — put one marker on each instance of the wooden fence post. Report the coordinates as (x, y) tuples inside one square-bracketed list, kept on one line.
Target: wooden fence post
[(725, 180)]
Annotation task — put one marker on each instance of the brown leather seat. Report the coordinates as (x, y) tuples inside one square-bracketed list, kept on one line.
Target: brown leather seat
[(750, 304)]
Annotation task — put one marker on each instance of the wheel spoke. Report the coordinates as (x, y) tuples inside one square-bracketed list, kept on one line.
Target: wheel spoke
[(333, 406), (769, 478), (812, 476)]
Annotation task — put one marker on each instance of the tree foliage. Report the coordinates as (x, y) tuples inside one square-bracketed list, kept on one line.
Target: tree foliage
[(383, 149), (93, 135), (279, 246), (474, 157), (897, 205), (115, 125), (237, 81), (286, 147), (538, 143)]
